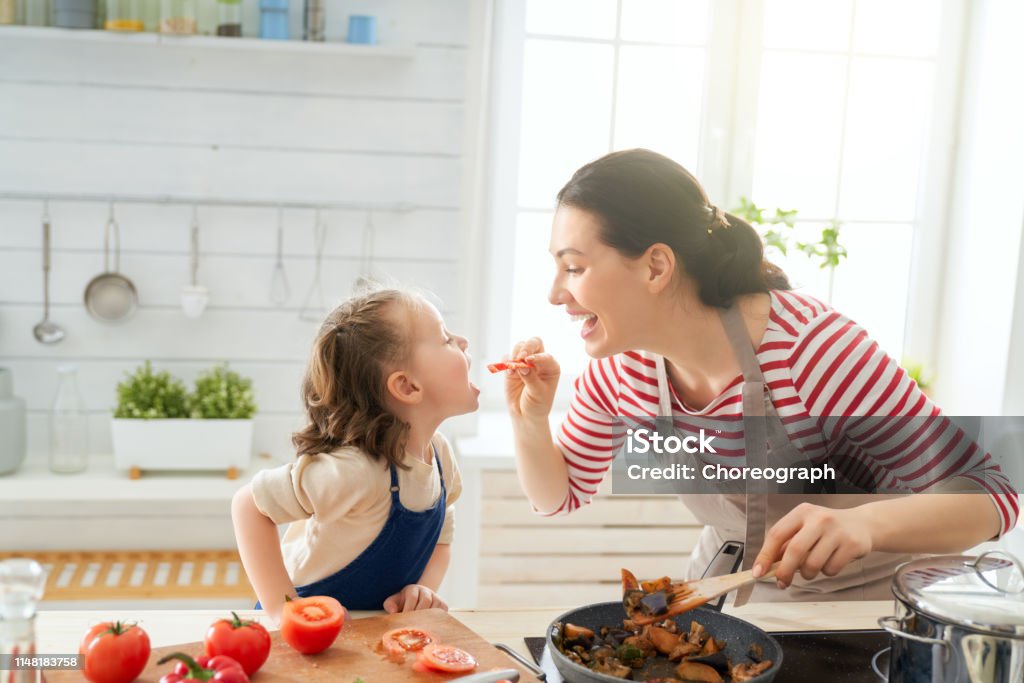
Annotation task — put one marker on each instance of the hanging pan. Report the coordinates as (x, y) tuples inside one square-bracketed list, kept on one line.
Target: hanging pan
[(111, 297)]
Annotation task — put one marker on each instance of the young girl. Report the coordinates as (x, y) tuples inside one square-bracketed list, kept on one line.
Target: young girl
[(370, 496)]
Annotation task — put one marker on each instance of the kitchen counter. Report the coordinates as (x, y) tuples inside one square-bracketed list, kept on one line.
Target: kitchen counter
[(59, 632)]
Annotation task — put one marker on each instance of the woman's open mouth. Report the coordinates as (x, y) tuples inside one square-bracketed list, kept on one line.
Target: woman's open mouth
[(589, 321)]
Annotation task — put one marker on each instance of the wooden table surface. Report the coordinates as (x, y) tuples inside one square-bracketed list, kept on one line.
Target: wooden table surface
[(59, 632)]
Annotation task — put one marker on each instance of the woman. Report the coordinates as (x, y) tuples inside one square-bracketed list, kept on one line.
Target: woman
[(681, 314)]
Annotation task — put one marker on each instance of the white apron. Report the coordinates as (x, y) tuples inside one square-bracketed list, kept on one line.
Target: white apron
[(745, 517)]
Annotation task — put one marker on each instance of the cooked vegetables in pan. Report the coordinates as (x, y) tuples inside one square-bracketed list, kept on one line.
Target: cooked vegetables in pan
[(623, 650)]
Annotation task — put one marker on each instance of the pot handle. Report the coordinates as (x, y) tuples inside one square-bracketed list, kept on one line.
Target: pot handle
[(874, 665), (886, 623), (1012, 559), (111, 223)]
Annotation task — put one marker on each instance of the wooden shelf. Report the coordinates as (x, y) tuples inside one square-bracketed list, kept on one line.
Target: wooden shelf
[(207, 42)]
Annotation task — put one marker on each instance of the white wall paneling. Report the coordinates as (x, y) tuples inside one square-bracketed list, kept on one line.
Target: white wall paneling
[(87, 115)]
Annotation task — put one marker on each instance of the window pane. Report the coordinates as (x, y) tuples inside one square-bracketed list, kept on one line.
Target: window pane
[(807, 24), (567, 92), (799, 129), (577, 18), (659, 101), (872, 283), (532, 314), (665, 21), (886, 123), (897, 27)]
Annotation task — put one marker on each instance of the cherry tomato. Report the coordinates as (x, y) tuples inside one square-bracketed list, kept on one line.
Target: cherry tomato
[(447, 658), (114, 652), (311, 624), (246, 642), (400, 641)]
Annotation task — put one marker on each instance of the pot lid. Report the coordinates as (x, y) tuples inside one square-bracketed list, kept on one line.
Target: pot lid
[(983, 593)]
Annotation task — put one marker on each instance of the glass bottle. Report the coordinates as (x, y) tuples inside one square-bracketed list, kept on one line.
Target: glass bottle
[(74, 13), (8, 11), (229, 18), (21, 587), (150, 14), (69, 425), (179, 17), (35, 12), (124, 15)]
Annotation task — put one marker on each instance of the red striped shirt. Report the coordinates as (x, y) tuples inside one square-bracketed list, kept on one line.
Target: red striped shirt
[(825, 374)]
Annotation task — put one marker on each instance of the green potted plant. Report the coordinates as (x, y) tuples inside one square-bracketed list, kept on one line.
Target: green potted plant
[(776, 231), (157, 425)]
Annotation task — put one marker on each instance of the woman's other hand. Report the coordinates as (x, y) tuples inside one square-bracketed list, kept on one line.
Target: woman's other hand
[(812, 539), (531, 392), (412, 597)]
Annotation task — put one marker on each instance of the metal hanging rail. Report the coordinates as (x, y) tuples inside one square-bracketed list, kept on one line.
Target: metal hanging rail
[(394, 207)]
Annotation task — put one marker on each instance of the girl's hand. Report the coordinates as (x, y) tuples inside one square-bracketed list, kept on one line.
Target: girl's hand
[(814, 539), (530, 393), (413, 597)]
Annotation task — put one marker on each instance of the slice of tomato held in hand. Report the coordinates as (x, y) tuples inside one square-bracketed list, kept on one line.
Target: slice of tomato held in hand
[(447, 658), (311, 624), (246, 642), (400, 641), (114, 652)]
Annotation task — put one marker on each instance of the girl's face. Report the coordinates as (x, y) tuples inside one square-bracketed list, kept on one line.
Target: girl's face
[(599, 287), (440, 363)]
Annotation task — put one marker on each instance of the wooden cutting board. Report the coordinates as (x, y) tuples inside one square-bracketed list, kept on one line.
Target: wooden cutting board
[(353, 655)]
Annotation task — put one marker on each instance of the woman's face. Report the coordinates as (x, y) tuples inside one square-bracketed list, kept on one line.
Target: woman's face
[(599, 287)]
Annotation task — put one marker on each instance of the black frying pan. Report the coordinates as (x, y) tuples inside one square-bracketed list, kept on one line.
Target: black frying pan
[(738, 635)]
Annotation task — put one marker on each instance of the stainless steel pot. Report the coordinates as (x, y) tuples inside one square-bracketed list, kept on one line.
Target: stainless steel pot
[(960, 620)]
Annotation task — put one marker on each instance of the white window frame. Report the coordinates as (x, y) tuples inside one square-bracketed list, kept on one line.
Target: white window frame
[(725, 159)]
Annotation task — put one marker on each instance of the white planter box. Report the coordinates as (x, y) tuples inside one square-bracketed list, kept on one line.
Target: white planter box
[(182, 444)]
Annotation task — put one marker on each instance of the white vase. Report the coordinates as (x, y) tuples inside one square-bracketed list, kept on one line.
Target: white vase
[(182, 444)]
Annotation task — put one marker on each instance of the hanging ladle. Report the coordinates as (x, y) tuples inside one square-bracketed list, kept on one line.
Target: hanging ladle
[(279, 289), (47, 332)]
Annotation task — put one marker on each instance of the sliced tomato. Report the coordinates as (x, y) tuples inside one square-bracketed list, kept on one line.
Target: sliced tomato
[(420, 667), (447, 658), (311, 624), (400, 641)]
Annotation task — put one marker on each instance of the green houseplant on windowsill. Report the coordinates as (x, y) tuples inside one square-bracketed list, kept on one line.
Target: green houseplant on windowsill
[(776, 231), (157, 425)]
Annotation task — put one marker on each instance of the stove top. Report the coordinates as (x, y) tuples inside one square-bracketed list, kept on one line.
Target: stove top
[(834, 656)]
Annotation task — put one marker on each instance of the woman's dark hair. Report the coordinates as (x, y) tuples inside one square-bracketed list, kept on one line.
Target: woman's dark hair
[(344, 391), (642, 198)]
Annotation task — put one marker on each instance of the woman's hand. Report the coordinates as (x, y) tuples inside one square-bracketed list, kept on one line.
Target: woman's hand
[(412, 597), (531, 392), (814, 539)]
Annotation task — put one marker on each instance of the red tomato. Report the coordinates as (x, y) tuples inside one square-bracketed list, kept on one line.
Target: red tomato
[(246, 642), (399, 641), (311, 624), (114, 652), (447, 658)]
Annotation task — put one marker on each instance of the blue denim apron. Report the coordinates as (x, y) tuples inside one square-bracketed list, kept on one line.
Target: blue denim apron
[(395, 559)]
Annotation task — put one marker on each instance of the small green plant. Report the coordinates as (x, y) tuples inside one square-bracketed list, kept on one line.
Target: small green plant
[(222, 394), (776, 232), (219, 394), (148, 395), (917, 372)]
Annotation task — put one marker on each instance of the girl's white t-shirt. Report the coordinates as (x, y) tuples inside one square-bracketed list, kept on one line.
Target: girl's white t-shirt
[(337, 504)]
